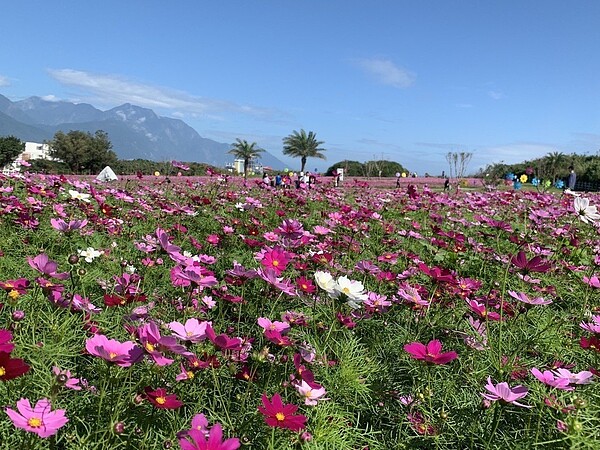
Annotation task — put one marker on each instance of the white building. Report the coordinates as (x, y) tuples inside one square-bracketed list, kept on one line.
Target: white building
[(33, 150), (238, 166)]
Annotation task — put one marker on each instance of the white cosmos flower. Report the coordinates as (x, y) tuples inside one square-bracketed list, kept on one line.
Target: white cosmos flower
[(79, 196), (89, 254), (352, 289), (587, 213), (326, 282)]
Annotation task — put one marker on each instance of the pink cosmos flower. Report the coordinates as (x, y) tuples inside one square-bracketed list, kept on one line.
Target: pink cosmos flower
[(592, 327), (276, 259), (551, 379), (64, 378), (66, 227), (200, 437), (535, 264), (45, 266), (278, 326), (154, 344), (583, 377), (310, 394), (430, 353), (193, 331), (593, 281), (123, 354), (482, 311), (503, 392), (522, 297), (40, 419)]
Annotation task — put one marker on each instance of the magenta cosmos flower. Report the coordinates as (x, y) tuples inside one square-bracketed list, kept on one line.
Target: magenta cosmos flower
[(503, 392), (279, 415), (40, 419), (430, 353), (197, 440), (123, 354)]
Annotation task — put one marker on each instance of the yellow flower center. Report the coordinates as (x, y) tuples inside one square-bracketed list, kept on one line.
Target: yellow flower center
[(34, 422), (305, 286), (280, 416), (190, 374), (161, 400), (13, 295), (2, 371), (346, 290), (275, 263), (189, 333), (149, 347), (112, 355)]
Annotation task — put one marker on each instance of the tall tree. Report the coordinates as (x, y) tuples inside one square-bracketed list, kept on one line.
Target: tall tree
[(242, 149), (83, 152), (303, 146), (10, 148)]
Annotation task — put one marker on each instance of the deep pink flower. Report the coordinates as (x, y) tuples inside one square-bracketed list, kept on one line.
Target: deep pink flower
[(278, 415), (593, 281), (123, 354), (430, 352), (40, 419), (276, 259), (5, 344), (199, 437), (503, 392), (267, 324), (535, 264)]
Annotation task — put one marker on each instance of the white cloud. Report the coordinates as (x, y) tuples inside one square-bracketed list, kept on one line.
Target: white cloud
[(4, 81), (496, 95), (386, 72), (50, 98), (115, 90)]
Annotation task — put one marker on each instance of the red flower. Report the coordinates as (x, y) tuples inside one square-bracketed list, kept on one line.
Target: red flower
[(160, 399), (592, 343), (430, 353), (11, 367), (281, 416), (305, 285)]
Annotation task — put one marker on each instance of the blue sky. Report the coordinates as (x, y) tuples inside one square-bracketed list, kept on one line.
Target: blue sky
[(401, 80)]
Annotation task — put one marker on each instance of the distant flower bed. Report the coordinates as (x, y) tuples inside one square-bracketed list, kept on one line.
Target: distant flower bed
[(209, 313)]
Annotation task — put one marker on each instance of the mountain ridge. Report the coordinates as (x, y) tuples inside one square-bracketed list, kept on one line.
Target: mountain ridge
[(134, 131)]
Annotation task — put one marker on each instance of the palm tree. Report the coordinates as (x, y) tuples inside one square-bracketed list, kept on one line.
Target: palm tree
[(303, 146), (243, 150), (554, 160)]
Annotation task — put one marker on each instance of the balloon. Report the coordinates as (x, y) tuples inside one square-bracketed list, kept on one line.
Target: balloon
[(157, 173), (403, 174)]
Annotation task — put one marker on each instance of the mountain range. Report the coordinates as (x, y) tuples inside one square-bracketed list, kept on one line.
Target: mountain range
[(135, 132)]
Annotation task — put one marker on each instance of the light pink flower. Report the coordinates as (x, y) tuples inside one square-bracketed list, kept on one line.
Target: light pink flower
[(310, 394), (522, 297), (503, 392), (193, 331), (266, 324)]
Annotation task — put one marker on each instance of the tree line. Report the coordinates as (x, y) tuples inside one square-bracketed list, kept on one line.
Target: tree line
[(553, 166)]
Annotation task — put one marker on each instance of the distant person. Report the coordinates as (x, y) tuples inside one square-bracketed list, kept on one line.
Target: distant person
[(572, 179), (447, 184), (278, 180), (397, 180), (266, 180)]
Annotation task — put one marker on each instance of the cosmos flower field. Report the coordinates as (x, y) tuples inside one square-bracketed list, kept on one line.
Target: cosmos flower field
[(200, 313)]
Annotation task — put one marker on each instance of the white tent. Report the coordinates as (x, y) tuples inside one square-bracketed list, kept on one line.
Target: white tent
[(107, 174)]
